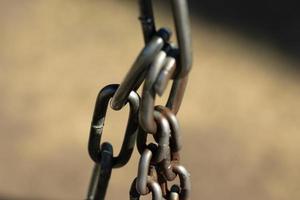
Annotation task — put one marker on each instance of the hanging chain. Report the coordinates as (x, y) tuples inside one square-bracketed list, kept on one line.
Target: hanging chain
[(158, 62)]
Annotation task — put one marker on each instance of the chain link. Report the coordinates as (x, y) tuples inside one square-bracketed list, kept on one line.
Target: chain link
[(158, 62)]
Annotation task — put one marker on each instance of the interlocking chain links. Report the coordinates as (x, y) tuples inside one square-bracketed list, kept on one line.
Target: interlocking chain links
[(183, 32), (101, 173), (168, 166), (135, 76), (170, 62), (157, 63), (98, 123), (102, 154)]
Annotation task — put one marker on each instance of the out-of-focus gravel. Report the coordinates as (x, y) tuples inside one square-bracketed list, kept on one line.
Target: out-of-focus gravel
[(240, 116)]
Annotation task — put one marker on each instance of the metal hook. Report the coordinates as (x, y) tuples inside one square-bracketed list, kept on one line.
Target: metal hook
[(98, 123)]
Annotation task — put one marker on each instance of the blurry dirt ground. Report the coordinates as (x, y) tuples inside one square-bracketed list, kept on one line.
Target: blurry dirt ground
[(240, 116)]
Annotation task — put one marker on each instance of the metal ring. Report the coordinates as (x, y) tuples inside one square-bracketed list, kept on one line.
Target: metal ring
[(98, 123)]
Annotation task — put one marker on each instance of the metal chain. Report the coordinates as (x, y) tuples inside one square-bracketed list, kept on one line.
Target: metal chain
[(157, 63)]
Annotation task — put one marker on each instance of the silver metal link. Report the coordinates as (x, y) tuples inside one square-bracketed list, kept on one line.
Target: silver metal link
[(163, 136), (175, 140), (134, 77), (153, 187), (146, 117), (185, 182), (137, 72), (142, 176), (183, 32), (165, 75)]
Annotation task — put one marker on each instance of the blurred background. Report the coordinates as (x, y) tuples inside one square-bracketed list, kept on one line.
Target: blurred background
[(240, 117)]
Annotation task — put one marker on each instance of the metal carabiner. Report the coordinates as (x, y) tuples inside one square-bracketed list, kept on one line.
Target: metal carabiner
[(183, 32), (137, 72), (97, 125), (101, 174)]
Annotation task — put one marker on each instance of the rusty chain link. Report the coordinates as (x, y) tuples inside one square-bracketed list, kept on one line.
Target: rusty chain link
[(158, 62)]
